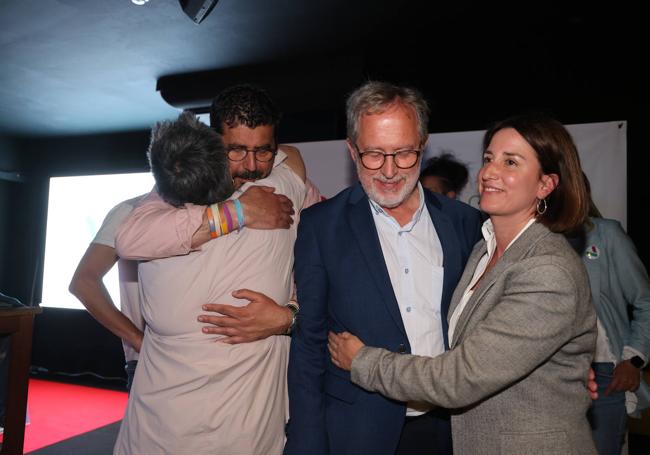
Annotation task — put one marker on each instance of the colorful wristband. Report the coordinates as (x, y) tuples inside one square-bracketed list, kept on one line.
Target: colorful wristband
[(222, 217), (226, 211), (240, 214), (213, 230), (216, 219)]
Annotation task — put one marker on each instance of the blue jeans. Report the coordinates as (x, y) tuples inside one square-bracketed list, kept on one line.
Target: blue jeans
[(130, 372), (607, 415)]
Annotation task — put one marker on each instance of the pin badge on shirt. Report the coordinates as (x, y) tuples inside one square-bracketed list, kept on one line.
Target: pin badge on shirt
[(592, 252)]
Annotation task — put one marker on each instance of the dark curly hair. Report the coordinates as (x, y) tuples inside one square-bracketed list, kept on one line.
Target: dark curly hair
[(189, 162), (243, 104), (452, 173)]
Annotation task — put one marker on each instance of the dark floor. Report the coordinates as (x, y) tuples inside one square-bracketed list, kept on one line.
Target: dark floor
[(96, 442), (88, 380), (100, 442)]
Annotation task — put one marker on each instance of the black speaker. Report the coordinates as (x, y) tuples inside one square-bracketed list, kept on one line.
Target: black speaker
[(197, 10)]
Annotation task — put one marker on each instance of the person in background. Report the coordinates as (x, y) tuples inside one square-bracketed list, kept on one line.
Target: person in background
[(522, 327), (88, 286), (445, 175), (619, 281)]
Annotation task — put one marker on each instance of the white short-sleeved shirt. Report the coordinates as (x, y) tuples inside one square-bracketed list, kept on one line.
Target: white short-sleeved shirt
[(127, 270)]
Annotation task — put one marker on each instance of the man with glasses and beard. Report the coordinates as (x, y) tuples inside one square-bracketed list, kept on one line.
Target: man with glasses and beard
[(247, 119)]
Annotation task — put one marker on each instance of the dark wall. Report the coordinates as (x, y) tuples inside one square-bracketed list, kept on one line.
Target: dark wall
[(68, 341), (638, 190), (8, 153)]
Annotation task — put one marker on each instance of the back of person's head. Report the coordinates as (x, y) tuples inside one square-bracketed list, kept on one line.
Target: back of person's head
[(451, 174), (568, 205), (375, 97), (189, 162), (243, 104)]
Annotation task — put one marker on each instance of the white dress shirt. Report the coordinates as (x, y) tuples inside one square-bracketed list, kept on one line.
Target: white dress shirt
[(414, 258), (491, 241)]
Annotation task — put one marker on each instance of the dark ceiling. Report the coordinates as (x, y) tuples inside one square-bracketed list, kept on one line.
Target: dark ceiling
[(76, 67)]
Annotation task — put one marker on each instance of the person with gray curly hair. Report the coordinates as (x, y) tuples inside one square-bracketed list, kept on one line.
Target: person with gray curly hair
[(189, 162)]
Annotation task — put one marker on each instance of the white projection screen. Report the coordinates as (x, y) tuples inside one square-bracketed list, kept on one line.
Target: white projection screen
[(76, 208), (78, 205)]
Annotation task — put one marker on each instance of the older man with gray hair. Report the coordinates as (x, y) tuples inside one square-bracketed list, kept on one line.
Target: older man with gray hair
[(381, 260)]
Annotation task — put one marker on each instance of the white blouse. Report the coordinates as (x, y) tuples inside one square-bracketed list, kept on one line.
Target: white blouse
[(490, 240)]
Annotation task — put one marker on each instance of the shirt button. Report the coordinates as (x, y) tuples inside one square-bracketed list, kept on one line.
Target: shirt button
[(408, 309), (406, 271)]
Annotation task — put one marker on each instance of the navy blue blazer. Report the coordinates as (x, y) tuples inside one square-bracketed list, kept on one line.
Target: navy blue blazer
[(343, 284)]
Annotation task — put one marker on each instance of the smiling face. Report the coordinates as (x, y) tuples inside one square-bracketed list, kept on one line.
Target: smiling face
[(511, 181), (390, 131), (249, 169)]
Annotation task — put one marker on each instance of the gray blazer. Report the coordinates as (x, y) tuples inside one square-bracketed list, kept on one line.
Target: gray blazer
[(516, 372)]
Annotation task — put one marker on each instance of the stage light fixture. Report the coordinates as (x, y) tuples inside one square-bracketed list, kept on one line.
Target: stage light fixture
[(197, 10)]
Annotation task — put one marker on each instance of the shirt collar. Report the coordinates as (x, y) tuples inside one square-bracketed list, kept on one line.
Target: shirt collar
[(490, 238), (279, 158)]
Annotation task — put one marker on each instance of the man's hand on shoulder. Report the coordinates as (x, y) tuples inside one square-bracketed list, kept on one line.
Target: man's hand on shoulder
[(294, 160), (260, 319), (263, 209)]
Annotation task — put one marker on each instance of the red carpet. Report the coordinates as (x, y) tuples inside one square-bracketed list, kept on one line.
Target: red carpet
[(60, 411)]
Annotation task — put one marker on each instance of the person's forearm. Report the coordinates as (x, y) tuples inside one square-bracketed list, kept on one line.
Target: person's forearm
[(94, 296), (202, 234), (156, 229)]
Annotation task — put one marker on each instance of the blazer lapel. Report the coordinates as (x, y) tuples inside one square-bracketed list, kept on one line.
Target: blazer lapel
[(452, 261), (472, 263), (364, 230), (479, 250), (594, 260), (515, 253)]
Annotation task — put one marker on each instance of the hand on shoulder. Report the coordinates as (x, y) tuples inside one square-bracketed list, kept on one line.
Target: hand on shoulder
[(294, 160)]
